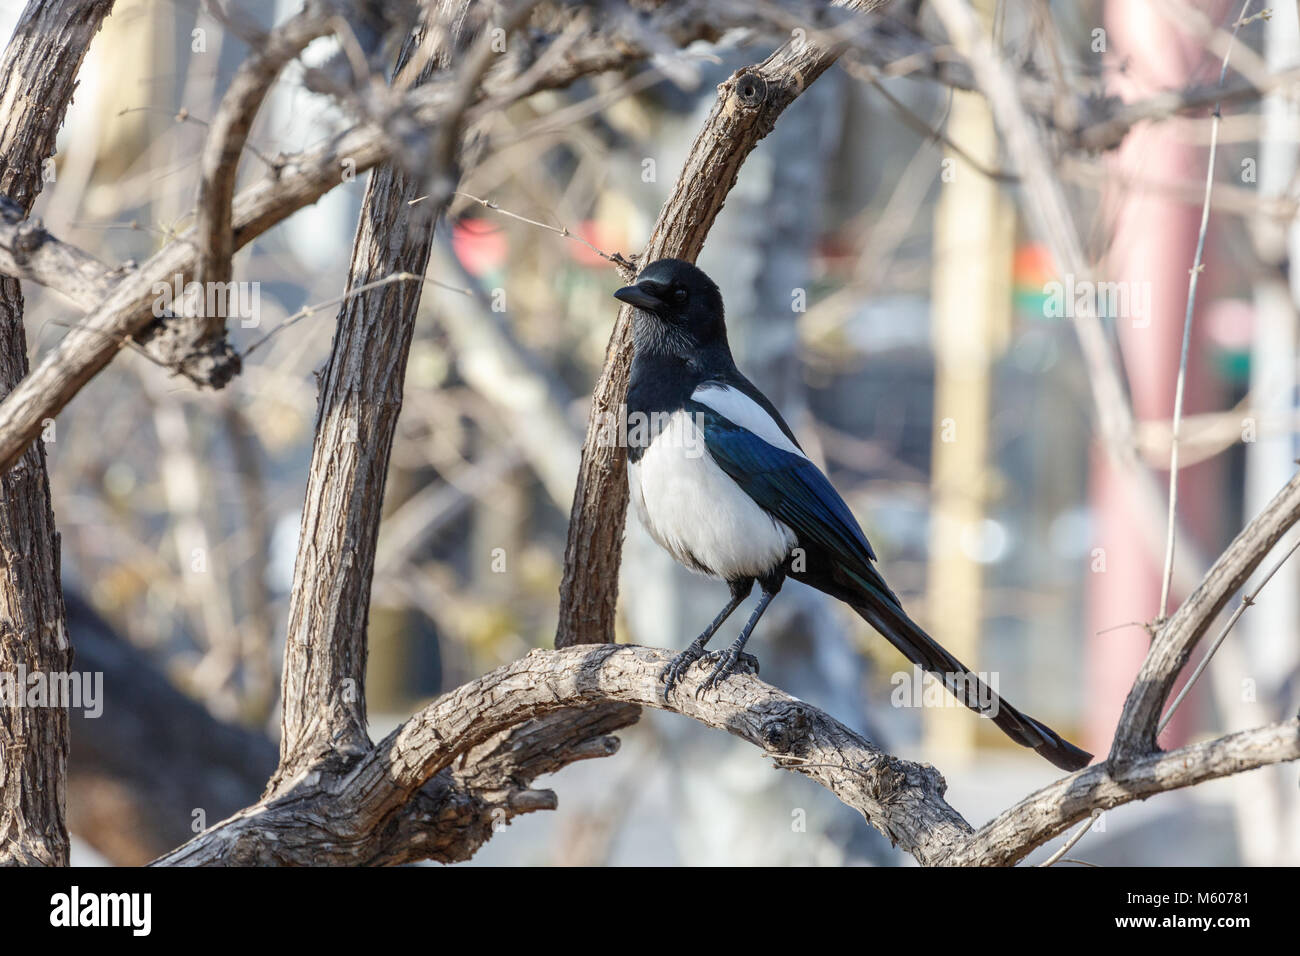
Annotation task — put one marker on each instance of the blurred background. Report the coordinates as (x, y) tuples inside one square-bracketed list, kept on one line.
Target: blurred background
[(882, 288)]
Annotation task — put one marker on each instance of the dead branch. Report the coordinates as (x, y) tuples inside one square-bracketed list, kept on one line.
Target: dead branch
[(901, 799), (37, 79), (199, 343), (122, 302), (327, 818), (1174, 641)]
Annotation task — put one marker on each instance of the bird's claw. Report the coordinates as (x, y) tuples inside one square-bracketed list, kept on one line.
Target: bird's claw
[(728, 662), (677, 667)]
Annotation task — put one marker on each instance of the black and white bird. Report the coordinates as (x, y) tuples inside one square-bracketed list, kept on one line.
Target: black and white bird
[(719, 481)]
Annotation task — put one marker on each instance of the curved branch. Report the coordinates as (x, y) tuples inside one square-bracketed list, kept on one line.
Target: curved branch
[(350, 817), (1174, 641), (1052, 810), (902, 800), (199, 342), (319, 820)]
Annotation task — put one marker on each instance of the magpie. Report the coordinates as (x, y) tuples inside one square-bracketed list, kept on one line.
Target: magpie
[(719, 480)]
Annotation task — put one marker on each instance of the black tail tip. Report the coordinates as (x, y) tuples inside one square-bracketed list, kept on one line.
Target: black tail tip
[(1064, 754)]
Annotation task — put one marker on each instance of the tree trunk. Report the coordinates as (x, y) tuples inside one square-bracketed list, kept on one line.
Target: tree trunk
[(360, 397), (36, 83)]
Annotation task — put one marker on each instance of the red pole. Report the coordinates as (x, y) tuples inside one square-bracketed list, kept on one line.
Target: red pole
[(1153, 242)]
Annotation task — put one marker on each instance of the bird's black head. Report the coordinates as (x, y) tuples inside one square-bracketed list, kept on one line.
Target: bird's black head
[(680, 308)]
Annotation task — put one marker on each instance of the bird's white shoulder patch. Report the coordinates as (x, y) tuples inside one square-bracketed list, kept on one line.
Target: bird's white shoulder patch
[(736, 406)]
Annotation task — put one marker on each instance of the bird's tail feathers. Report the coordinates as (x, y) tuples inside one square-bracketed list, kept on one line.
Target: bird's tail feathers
[(922, 650), (878, 606)]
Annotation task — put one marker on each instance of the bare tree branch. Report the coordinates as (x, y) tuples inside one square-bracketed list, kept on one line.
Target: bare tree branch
[(1167, 579), (1172, 646), (199, 342), (122, 302), (323, 687), (903, 800), (325, 819), (1051, 811), (37, 78), (1049, 211)]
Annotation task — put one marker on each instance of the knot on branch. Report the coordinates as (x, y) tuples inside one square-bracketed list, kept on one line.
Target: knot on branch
[(891, 776), (192, 347), (213, 365), (785, 726), (750, 88)]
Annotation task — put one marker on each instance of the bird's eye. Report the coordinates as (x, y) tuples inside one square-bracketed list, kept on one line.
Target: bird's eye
[(680, 295)]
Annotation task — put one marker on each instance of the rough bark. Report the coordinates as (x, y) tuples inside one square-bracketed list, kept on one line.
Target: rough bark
[(37, 79), (326, 818), (901, 799), (348, 816), (747, 108), (1049, 812), (360, 397), (140, 770)]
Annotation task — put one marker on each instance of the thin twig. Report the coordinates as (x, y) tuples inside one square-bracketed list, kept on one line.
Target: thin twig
[(619, 260), (183, 115), (1120, 627), (478, 60), (134, 225), (1069, 844), (366, 287), (1197, 267), (872, 75), (590, 106), (227, 135), (1247, 600)]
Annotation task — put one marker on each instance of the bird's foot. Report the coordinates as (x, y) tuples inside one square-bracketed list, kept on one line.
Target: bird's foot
[(729, 661), (678, 666)]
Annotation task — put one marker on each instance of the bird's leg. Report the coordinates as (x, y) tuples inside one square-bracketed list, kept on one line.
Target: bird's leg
[(770, 585), (672, 673)]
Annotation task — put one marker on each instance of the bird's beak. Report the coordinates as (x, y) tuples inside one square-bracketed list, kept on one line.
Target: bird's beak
[(640, 296)]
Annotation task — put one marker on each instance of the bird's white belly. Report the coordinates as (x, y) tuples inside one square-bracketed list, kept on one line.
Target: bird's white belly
[(693, 509)]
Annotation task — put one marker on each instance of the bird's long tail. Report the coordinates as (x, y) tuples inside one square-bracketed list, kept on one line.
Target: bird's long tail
[(883, 612)]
